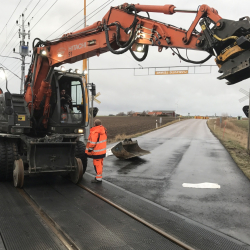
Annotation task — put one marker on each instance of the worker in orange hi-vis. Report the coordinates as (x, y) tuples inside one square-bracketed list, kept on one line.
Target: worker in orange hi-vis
[(96, 148)]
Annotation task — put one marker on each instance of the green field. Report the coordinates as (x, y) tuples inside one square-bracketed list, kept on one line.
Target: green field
[(241, 123)]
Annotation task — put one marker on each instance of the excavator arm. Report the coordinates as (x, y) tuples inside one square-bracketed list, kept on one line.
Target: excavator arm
[(123, 29)]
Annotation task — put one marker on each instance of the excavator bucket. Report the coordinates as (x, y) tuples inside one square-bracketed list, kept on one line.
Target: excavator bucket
[(128, 149)]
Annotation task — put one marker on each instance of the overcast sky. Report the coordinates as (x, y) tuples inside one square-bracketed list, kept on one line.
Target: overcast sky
[(199, 93)]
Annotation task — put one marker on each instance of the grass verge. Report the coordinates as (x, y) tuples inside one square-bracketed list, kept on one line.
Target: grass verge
[(233, 136)]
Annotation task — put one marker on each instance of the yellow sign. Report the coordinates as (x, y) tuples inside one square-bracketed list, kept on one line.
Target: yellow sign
[(171, 72), (21, 118), (201, 117), (96, 100)]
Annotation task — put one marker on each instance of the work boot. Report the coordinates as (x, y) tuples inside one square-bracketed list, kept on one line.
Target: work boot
[(96, 181)]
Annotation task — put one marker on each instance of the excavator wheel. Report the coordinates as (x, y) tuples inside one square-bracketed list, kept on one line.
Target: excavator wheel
[(8, 154), (18, 173), (80, 153), (2, 161), (11, 155), (76, 175)]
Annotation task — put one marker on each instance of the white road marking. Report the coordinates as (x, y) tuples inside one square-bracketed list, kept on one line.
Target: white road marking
[(201, 185)]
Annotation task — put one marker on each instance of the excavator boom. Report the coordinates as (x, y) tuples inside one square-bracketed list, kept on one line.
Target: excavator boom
[(123, 29)]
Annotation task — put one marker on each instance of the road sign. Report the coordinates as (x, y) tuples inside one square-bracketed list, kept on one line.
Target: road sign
[(246, 93), (171, 72), (96, 100), (246, 111)]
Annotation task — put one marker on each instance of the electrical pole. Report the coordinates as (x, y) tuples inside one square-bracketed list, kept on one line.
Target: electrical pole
[(23, 50), (85, 82), (248, 138), (84, 65)]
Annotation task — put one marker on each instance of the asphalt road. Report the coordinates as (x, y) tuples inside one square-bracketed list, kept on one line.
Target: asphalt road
[(187, 152)]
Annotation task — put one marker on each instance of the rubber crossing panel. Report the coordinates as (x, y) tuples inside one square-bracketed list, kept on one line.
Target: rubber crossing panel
[(190, 232), (90, 222), (20, 227)]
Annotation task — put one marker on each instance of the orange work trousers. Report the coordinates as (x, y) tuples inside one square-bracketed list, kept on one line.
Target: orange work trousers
[(98, 164)]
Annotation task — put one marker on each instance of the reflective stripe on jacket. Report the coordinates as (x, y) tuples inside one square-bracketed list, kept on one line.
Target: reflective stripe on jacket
[(97, 142)]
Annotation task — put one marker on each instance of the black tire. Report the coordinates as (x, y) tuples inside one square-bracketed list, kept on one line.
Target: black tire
[(80, 153), (2, 161), (11, 156), (18, 173), (76, 176)]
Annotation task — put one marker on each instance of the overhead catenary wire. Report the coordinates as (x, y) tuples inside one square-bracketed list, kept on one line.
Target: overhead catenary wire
[(27, 5), (81, 24), (15, 66), (32, 10), (11, 57), (14, 75), (13, 28), (44, 14), (9, 70), (69, 20), (8, 43), (38, 10), (10, 33), (10, 17), (16, 32), (42, 17), (11, 50), (95, 13), (70, 29)]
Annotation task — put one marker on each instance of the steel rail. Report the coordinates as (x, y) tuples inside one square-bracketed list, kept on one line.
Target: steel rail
[(68, 242), (139, 219), (64, 238)]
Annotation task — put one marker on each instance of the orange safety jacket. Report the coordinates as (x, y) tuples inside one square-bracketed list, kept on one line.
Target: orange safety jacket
[(97, 142)]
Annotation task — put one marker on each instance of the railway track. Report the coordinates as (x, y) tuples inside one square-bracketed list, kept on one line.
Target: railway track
[(137, 218), (66, 241), (55, 214), (70, 244)]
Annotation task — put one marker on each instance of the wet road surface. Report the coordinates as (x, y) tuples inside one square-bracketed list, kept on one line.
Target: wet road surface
[(187, 152)]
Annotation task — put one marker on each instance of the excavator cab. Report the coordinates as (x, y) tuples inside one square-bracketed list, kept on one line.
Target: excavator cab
[(67, 104)]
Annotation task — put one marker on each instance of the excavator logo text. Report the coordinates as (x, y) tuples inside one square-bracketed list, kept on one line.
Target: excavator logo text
[(77, 46)]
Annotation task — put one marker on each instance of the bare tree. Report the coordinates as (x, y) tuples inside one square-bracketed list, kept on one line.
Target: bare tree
[(121, 114), (144, 113), (131, 112)]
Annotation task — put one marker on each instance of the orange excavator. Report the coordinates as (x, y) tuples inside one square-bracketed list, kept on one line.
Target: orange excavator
[(39, 134)]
